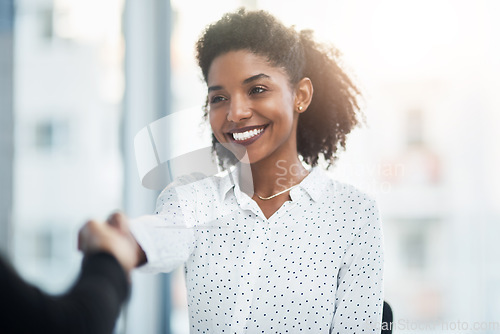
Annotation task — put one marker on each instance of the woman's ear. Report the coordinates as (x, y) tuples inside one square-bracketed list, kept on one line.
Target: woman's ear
[(303, 95)]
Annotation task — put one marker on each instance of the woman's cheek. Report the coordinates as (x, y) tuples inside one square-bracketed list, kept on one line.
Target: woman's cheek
[(216, 127)]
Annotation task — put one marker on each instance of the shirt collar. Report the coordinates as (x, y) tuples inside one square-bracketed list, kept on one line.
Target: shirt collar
[(228, 181), (313, 184)]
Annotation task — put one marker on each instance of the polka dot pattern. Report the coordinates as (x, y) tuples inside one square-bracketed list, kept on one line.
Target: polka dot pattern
[(315, 266)]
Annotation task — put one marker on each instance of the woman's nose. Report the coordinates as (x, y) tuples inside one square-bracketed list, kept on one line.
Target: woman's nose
[(239, 110)]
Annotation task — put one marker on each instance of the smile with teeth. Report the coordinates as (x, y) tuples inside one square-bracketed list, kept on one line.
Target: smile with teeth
[(240, 136)]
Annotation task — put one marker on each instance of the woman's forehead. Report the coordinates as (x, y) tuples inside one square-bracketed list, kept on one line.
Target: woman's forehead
[(241, 64)]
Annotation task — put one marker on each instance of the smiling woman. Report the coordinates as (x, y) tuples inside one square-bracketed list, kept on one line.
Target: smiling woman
[(332, 111), (271, 245)]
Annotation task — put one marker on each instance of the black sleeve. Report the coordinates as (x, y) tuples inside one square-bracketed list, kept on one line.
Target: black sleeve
[(90, 306)]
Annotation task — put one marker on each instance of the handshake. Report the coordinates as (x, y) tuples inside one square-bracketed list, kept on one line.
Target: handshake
[(93, 303), (114, 237)]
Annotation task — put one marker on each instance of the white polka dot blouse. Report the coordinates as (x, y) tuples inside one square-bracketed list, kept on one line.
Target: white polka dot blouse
[(315, 266)]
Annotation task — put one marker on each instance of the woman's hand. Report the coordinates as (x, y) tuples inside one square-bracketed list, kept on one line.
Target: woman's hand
[(113, 236)]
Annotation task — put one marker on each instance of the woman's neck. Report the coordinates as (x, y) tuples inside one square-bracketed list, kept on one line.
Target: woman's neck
[(269, 177)]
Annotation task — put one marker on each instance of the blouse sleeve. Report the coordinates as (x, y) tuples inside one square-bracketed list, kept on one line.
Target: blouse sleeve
[(168, 237), (359, 296)]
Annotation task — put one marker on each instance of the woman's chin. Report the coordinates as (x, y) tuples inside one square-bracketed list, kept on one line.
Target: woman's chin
[(239, 151)]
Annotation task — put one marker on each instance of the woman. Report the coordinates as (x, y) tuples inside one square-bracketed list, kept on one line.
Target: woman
[(270, 246)]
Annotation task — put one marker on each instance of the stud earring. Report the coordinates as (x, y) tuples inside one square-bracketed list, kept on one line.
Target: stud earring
[(300, 108)]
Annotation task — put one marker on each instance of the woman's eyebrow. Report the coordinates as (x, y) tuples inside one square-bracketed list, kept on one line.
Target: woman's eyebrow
[(212, 88), (256, 77), (246, 81)]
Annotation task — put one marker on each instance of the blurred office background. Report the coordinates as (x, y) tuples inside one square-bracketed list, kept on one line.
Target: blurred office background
[(78, 80)]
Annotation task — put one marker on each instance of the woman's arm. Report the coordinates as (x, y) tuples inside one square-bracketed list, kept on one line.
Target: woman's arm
[(167, 239), (359, 297)]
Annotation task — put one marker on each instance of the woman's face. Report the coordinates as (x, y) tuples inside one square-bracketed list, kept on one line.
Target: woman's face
[(252, 107)]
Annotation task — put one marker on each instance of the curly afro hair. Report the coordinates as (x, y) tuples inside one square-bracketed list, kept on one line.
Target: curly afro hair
[(334, 109)]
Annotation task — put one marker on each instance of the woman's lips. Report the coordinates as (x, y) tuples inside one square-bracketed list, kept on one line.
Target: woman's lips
[(246, 136)]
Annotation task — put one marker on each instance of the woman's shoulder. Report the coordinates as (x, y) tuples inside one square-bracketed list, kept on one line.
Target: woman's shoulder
[(192, 193), (340, 190), (356, 208), (196, 183)]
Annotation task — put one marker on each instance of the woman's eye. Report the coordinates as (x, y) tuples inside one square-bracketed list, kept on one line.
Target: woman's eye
[(217, 99), (257, 90)]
